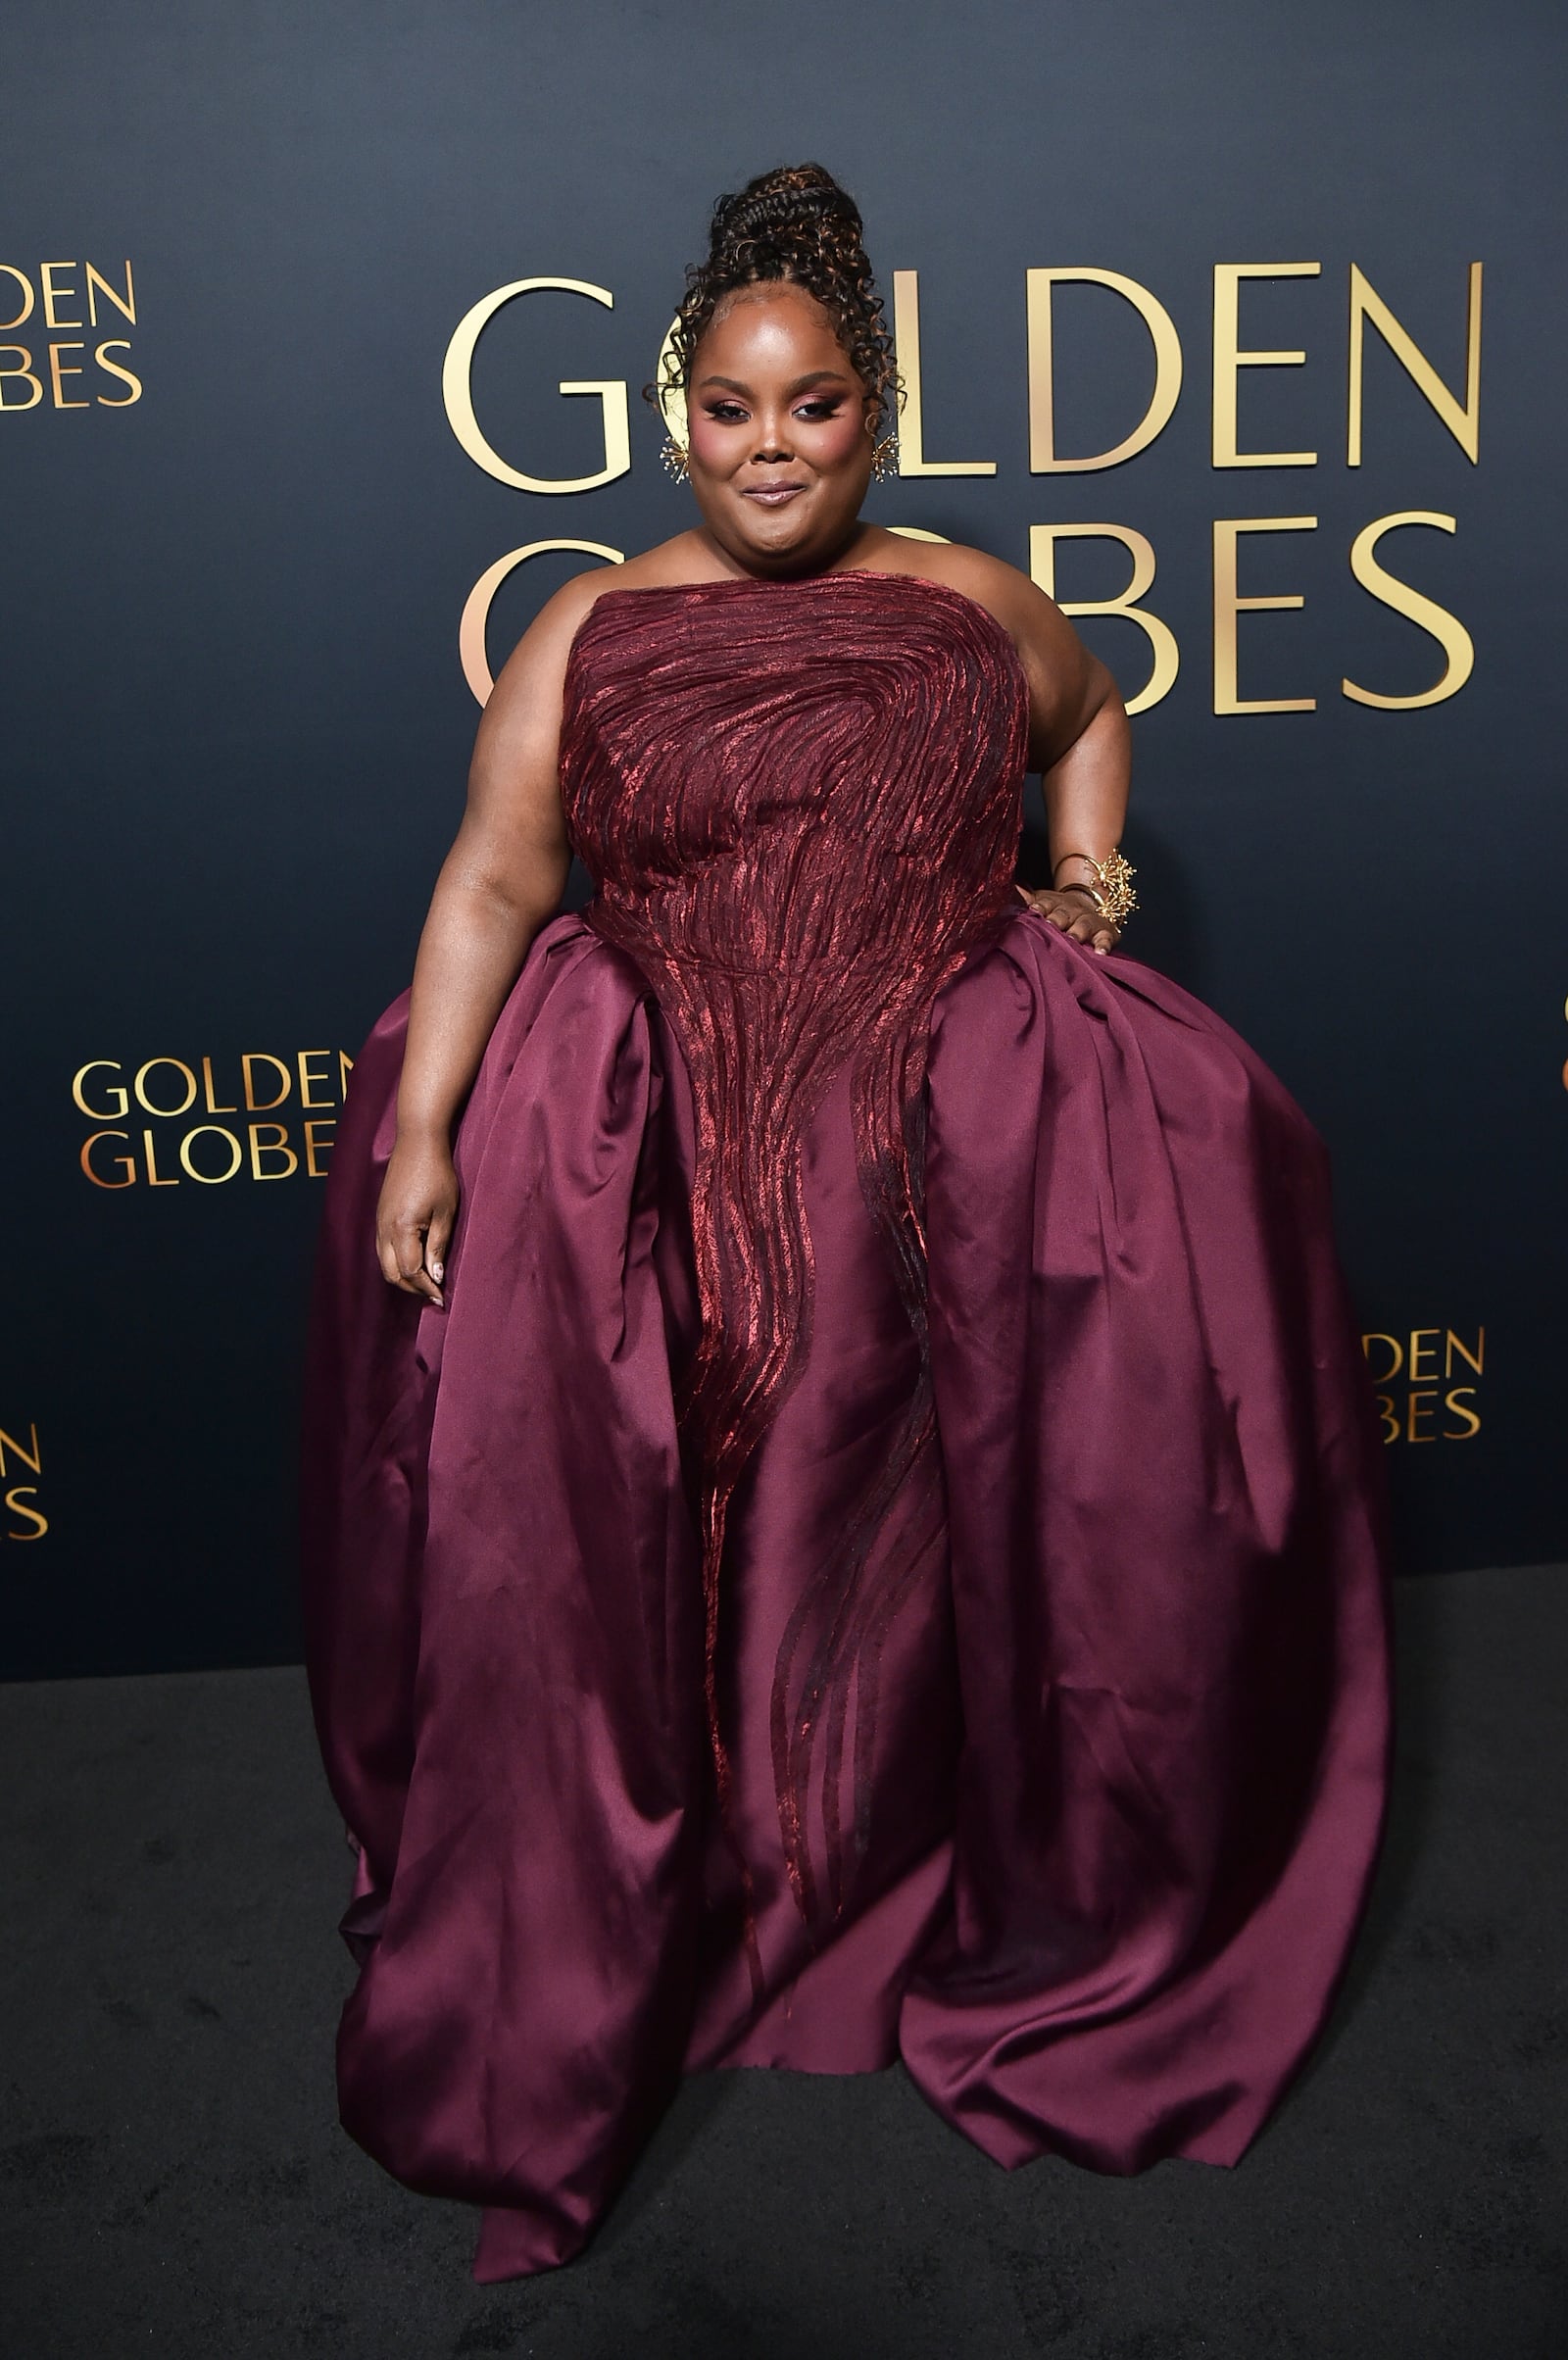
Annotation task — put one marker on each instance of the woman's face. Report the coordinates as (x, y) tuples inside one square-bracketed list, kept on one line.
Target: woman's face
[(779, 444)]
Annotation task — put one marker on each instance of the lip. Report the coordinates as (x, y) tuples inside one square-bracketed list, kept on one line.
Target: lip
[(772, 495)]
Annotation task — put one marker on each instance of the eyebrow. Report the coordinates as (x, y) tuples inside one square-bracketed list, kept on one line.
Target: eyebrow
[(817, 376)]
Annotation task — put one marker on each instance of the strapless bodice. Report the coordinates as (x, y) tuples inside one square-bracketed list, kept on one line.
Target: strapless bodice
[(773, 774)]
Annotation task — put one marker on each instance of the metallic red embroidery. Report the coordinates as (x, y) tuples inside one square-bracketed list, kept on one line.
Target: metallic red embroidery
[(800, 806)]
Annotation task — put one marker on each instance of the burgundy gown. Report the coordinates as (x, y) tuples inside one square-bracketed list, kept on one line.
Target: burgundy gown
[(880, 1557)]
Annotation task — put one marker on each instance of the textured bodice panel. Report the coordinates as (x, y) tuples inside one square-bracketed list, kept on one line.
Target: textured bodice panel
[(757, 773), (800, 806)]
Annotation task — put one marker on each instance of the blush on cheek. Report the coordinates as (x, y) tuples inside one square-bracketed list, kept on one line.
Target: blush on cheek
[(836, 442), (712, 446)]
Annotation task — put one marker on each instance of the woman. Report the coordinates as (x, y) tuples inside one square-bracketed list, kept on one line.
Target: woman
[(839, 1514)]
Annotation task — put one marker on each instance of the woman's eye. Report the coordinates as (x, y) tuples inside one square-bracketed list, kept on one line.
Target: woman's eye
[(816, 414), (726, 413)]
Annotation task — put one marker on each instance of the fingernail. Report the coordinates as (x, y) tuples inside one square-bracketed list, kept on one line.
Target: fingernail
[(438, 1271)]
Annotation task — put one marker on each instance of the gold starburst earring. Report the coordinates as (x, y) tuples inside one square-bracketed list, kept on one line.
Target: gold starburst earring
[(675, 462), (884, 460)]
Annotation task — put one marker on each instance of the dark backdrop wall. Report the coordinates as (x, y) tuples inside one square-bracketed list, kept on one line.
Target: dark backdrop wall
[(1296, 266)]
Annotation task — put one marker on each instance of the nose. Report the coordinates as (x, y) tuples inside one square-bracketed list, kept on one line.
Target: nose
[(772, 441)]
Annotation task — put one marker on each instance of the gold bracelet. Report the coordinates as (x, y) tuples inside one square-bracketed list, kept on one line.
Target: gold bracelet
[(1111, 891)]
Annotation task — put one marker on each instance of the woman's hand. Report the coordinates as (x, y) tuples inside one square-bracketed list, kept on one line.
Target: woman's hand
[(1075, 913), (413, 1219)]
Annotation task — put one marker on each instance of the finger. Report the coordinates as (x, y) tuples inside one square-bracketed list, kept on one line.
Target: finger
[(1105, 941), (437, 1238), (386, 1256), (413, 1277)]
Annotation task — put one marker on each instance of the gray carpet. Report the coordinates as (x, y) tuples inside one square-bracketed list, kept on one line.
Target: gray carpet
[(174, 2183)]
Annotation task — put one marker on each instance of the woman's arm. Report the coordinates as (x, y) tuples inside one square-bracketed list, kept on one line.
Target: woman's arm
[(1079, 740), (1086, 786), (502, 880)]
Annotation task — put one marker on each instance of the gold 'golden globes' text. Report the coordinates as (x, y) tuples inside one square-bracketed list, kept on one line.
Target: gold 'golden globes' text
[(21, 1467), (1250, 547), (1430, 1383), (65, 363), (169, 1120)]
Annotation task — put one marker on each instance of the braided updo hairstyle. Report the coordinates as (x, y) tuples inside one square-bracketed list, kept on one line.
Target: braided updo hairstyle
[(795, 223)]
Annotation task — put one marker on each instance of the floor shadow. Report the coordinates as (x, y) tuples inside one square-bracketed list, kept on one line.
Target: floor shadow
[(700, 2098)]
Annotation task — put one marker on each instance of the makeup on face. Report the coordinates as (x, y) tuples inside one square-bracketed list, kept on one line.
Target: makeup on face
[(779, 447)]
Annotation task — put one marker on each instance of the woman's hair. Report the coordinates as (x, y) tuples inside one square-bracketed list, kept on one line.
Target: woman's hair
[(792, 223)]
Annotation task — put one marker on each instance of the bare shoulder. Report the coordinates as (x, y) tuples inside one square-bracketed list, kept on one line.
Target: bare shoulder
[(536, 668), (1023, 609), (561, 615), (1065, 683)]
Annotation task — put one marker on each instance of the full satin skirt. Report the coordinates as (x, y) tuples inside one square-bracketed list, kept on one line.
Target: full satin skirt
[(1092, 1826)]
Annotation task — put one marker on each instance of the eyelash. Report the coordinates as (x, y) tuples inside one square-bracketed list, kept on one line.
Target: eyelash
[(815, 414)]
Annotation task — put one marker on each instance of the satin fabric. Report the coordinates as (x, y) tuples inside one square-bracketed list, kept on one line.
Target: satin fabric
[(1108, 1774)]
